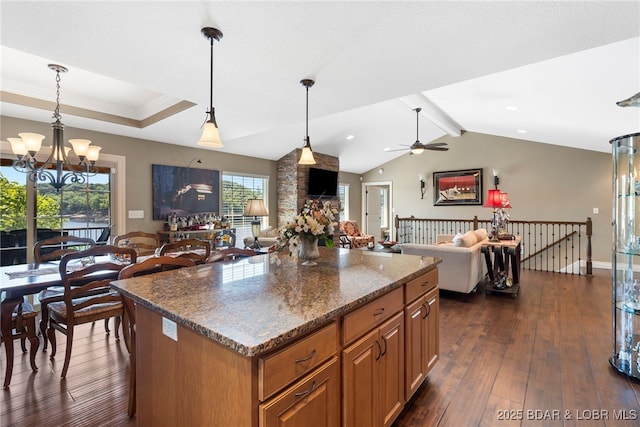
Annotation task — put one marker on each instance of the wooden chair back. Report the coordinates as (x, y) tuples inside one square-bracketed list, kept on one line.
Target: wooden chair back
[(55, 247), (144, 243), (87, 293), (195, 249)]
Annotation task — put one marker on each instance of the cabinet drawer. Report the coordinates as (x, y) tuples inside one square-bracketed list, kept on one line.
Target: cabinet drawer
[(420, 285), (372, 314), (279, 369), (313, 401)]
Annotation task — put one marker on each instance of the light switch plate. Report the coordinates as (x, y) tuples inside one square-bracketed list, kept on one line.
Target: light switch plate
[(170, 329), (136, 214)]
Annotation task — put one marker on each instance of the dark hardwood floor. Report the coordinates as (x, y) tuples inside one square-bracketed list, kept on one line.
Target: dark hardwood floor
[(543, 354)]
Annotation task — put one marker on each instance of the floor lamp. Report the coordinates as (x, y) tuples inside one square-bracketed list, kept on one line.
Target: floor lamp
[(256, 209)]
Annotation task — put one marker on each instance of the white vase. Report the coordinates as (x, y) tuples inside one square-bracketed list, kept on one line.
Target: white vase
[(309, 250)]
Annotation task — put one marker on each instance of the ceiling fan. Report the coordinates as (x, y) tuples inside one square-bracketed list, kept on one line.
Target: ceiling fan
[(418, 147)]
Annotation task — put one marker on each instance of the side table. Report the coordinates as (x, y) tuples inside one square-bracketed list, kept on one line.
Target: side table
[(505, 253)]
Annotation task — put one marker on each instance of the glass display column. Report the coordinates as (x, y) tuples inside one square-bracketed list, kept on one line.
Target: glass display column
[(626, 254)]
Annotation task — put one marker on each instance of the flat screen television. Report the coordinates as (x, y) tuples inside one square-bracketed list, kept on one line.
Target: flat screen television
[(322, 183)]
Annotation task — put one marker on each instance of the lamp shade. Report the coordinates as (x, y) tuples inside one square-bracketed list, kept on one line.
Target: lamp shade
[(210, 136), (306, 158), (255, 207), (494, 199), (504, 197)]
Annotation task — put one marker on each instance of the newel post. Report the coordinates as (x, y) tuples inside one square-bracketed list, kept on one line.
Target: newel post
[(475, 222)]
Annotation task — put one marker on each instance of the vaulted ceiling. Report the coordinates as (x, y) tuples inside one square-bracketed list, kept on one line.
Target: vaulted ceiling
[(549, 72)]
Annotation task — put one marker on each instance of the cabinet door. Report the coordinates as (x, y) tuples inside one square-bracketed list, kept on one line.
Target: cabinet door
[(313, 401), (414, 346), (391, 369), (432, 327), (360, 382)]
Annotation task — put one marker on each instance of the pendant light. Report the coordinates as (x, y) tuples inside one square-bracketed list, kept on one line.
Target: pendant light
[(306, 158), (210, 135)]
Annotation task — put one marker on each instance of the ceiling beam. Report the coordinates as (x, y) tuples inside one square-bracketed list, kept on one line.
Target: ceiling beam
[(433, 113)]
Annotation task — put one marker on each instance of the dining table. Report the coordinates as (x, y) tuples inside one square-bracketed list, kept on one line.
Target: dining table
[(19, 280)]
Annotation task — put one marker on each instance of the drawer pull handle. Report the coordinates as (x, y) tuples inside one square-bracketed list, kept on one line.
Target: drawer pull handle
[(427, 309), (384, 340), (304, 359), (378, 312), (306, 392), (379, 350), (425, 284)]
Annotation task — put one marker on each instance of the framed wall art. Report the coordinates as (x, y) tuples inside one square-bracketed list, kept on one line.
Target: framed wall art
[(462, 187), (184, 191)]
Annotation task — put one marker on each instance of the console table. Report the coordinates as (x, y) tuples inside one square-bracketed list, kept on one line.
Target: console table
[(505, 253), (210, 235)]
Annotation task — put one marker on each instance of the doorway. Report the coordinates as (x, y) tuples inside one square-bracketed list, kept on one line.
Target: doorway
[(377, 210)]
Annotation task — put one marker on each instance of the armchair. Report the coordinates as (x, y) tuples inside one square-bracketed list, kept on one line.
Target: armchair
[(351, 237)]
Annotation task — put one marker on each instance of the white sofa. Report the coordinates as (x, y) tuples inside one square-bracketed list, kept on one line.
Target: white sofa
[(462, 264), (267, 237)]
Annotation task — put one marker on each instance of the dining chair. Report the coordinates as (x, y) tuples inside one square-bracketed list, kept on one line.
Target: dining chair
[(195, 249), (87, 293), (53, 249), (144, 243), (148, 266), (227, 254), (23, 326)]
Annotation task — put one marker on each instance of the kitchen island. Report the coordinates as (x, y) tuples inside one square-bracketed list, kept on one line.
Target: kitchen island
[(255, 341)]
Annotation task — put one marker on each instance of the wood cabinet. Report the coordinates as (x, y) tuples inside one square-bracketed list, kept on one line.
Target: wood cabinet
[(422, 339), (373, 376), (356, 369), (313, 401)]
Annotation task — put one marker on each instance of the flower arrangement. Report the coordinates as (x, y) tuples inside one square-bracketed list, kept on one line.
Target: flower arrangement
[(316, 221)]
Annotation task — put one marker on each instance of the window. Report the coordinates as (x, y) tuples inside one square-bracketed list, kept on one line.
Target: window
[(384, 213), (31, 213), (236, 190), (343, 195)]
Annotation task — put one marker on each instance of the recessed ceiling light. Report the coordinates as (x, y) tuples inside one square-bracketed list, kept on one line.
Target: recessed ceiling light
[(521, 131), (511, 107), (350, 137)]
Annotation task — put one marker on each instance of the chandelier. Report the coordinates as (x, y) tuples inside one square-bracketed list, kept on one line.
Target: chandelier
[(57, 169)]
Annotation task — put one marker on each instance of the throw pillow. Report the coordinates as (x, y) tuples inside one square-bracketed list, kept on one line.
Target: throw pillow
[(457, 240), (481, 234), (468, 239)]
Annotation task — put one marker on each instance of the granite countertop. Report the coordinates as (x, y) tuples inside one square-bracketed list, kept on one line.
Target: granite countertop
[(255, 304)]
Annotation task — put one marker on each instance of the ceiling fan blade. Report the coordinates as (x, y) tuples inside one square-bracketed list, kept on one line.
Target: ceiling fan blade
[(397, 149), (436, 144), (432, 148)]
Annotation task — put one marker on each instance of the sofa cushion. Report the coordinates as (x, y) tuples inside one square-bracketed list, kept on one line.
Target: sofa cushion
[(468, 239), (268, 232), (481, 234), (457, 240)]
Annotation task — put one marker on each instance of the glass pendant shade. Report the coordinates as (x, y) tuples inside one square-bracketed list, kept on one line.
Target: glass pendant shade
[(18, 146), (306, 158), (210, 136), (33, 141), (57, 155), (417, 150), (93, 153), (80, 147)]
